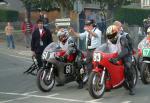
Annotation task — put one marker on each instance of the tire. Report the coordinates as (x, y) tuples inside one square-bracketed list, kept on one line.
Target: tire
[(84, 76), (135, 77), (92, 88), (45, 85), (145, 73), (139, 62)]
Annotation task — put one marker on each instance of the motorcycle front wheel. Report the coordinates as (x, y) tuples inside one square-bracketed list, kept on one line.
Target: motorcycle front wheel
[(96, 90), (145, 73), (45, 82)]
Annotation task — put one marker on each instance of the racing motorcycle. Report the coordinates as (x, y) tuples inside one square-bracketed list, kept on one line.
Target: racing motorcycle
[(62, 72), (144, 55), (106, 75)]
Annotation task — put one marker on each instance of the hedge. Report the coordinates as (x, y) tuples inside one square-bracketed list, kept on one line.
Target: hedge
[(132, 16), (8, 15)]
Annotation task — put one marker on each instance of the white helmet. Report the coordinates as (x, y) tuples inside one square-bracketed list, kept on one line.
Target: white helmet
[(148, 30), (62, 31), (63, 35)]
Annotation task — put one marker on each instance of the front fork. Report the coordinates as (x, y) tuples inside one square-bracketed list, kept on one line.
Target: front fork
[(103, 76), (50, 73)]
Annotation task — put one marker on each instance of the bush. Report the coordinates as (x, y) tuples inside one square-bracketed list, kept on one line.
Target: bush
[(8, 15), (132, 16)]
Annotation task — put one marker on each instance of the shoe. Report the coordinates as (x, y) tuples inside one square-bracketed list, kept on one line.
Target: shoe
[(58, 85), (131, 92)]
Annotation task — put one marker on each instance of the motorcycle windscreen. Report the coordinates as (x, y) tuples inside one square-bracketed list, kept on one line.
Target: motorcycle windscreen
[(52, 47), (107, 48)]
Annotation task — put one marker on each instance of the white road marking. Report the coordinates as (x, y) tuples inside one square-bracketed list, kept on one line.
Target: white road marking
[(45, 97), (30, 92), (126, 102), (52, 95), (11, 100)]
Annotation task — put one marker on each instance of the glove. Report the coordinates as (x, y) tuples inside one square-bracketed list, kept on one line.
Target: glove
[(113, 60)]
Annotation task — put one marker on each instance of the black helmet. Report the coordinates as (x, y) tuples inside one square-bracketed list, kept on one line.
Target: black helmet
[(89, 22)]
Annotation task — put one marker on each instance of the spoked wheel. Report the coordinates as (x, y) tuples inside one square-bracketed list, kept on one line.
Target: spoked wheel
[(145, 73), (45, 81), (96, 90)]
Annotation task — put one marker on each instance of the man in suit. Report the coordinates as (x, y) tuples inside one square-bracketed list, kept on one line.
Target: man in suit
[(41, 37)]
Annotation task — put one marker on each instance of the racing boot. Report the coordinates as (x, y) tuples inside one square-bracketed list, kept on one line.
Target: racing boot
[(80, 85), (131, 91)]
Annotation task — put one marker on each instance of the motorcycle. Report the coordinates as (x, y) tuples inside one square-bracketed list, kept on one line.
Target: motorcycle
[(62, 72), (144, 54), (106, 75)]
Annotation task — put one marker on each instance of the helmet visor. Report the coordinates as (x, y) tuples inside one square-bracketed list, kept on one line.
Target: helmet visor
[(111, 36)]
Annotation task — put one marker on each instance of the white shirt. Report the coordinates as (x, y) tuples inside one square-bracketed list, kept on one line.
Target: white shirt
[(95, 40), (40, 30)]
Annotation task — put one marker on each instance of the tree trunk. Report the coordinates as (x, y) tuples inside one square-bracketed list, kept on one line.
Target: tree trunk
[(64, 12)]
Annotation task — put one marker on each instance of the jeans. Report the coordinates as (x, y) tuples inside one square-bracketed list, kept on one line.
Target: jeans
[(10, 41), (27, 38)]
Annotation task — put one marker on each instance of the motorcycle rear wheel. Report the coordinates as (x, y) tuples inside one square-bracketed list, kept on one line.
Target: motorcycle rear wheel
[(43, 83), (96, 90), (145, 73)]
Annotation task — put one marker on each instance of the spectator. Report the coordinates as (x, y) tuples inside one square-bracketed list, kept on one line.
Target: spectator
[(46, 21), (9, 29), (41, 37), (27, 28), (41, 17), (93, 39)]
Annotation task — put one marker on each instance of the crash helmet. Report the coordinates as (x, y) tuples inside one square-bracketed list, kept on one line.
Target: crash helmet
[(111, 31), (62, 35), (148, 30)]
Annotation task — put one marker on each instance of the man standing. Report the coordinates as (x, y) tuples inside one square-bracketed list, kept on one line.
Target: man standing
[(41, 37), (93, 39), (118, 24), (9, 29), (27, 30), (46, 21)]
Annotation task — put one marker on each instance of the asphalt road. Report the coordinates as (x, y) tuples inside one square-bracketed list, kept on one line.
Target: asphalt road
[(15, 87)]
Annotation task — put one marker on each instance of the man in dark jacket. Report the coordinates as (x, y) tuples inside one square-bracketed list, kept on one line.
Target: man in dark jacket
[(124, 54), (41, 37)]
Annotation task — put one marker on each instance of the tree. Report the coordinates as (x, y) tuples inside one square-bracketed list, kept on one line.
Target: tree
[(27, 4), (66, 5)]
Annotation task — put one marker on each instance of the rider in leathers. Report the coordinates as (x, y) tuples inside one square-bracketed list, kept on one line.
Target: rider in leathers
[(124, 53), (68, 44)]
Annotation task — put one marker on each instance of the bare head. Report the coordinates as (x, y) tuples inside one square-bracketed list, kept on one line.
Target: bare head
[(118, 24), (9, 24)]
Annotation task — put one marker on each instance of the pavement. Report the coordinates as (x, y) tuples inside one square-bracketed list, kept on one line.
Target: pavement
[(20, 49)]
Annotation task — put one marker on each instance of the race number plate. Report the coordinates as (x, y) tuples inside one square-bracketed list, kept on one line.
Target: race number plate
[(146, 52), (68, 69)]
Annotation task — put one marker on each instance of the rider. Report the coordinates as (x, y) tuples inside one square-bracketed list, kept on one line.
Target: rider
[(122, 32), (146, 41), (121, 43), (68, 44)]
